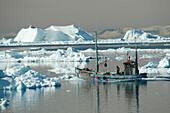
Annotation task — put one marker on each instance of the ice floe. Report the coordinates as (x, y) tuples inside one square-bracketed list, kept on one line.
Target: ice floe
[(69, 55), (4, 102), (161, 67), (68, 77), (164, 63), (23, 77), (140, 36), (66, 67)]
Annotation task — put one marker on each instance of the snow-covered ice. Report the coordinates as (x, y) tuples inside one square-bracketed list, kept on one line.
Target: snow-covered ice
[(140, 36), (53, 33), (4, 102), (66, 67), (73, 31), (22, 77), (69, 55), (164, 63), (67, 77), (161, 67)]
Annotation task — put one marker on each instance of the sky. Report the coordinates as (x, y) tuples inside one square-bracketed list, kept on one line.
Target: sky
[(90, 15)]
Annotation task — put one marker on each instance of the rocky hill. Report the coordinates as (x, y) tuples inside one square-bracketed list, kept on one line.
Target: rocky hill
[(7, 35)]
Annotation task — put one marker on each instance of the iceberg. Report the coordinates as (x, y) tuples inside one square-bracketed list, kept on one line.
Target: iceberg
[(140, 36), (163, 67), (53, 33), (73, 31), (4, 102), (23, 77), (67, 77), (151, 65), (164, 63)]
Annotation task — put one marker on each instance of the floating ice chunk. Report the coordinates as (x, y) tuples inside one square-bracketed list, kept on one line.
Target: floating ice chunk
[(65, 77), (68, 91), (164, 63), (20, 85), (140, 36), (151, 65), (119, 58), (67, 67), (71, 50), (17, 70), (146, 56), (88, 51), (69, 55), (124, 50), (4, 102), (10, 56), (69, 78), (157, 68), (22, 77)]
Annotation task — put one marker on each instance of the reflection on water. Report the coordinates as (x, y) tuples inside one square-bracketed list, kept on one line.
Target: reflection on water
[(23, 101), (94, 97), (112, 97), (129, 89)]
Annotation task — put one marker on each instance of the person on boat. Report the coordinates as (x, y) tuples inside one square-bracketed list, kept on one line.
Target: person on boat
[(118, 69)]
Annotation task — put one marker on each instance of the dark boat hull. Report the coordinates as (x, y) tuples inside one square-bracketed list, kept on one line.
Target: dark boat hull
[(90, 75)]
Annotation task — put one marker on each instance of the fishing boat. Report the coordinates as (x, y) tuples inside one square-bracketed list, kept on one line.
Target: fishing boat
[(130, 71)]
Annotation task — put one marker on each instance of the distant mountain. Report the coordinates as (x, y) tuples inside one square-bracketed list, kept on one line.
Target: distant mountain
[(7, 35), (115, 33)]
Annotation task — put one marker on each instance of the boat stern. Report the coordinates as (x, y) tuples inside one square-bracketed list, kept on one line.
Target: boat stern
[(143, 75)]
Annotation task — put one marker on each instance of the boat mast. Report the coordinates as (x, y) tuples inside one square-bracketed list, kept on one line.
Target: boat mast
[(136, 60), (96, 47)]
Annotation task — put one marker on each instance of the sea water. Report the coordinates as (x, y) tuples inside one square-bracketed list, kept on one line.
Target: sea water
[(87, 97)]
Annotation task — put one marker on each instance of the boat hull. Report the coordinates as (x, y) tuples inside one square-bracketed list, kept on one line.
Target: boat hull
[(93, 76)]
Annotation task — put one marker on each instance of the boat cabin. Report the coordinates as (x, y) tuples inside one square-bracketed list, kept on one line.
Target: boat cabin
[(130, 68)]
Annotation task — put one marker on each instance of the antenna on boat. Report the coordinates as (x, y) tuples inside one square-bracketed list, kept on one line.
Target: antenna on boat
[(96, 47), (127, 55), (136, 60)]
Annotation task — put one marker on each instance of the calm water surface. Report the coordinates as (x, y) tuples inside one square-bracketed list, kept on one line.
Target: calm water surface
[(89, 97)]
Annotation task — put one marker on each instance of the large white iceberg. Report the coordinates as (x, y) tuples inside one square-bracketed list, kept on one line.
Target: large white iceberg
[(53, 33), (73, 31), (140, 36)]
